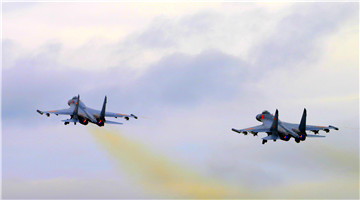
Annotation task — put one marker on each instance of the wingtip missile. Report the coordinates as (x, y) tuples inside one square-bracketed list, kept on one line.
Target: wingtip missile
[(336, 128), (235, 130), (238, 131)]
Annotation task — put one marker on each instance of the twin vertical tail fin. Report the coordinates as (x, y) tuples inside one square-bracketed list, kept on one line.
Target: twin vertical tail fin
[(77, 108), (274, 126), (102, 113), (302, 126)]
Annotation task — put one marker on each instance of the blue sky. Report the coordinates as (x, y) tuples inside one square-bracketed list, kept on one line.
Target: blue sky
[(191, 71)]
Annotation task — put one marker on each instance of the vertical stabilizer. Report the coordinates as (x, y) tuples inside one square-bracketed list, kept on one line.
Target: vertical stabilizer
[(102, 113), (302, 126), (274, 126), (76, 110)]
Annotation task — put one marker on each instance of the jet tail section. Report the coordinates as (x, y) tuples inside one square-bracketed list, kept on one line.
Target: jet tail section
[(302, 126), (102, 113), (274, 126)]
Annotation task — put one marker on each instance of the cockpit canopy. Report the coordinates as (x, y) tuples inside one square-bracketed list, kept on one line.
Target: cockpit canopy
[(265, 112), (74, 100)]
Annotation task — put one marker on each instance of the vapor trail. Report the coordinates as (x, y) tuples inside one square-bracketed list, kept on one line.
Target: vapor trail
[(158, 173)]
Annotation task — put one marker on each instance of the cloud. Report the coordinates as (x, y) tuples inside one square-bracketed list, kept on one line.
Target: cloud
[(17, 6), (176, 80), (237, 169), (181, 79), (72, 188), (116, 37), (297, 36)]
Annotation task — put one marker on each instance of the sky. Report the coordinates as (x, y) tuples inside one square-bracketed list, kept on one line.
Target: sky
[(190, 72)]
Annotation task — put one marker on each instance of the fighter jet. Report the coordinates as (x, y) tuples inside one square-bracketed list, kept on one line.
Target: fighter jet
[(277, 129), (80, 113)]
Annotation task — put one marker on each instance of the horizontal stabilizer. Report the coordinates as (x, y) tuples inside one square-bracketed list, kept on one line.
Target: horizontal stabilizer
[(70, 120), (271, 137), (111, 122), (315, 136)]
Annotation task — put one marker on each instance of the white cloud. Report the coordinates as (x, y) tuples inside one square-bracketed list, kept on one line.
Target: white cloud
[(105, 35)]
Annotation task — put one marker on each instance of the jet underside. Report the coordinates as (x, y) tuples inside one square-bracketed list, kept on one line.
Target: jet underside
[(277, 129)]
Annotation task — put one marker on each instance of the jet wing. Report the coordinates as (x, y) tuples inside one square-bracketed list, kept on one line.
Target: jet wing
[(68, 111), (312, 128), (254, 129), (318, 128), (111, 114)]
